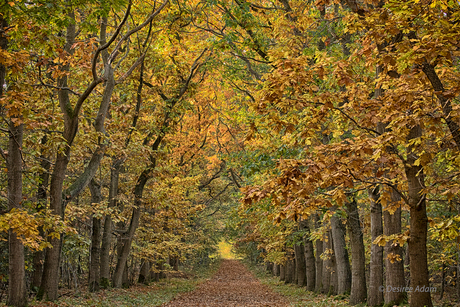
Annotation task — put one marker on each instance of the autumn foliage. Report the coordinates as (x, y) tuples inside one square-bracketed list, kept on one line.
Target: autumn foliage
[(314, 135)]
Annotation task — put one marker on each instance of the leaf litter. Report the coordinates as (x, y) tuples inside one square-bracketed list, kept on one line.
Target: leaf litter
[(232, 285)]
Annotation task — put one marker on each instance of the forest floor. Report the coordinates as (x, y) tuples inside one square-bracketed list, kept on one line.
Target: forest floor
[(232, 285)]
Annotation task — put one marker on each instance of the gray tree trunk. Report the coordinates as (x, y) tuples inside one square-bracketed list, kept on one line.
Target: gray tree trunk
[(358, 283), (42, 188), (301, 266), (94, 267), (394, 272), (376, 266), (341, 255), (283, 271), (310, 261), (144, 273), (108, 225), (290, 268), (419, 274), (276, 269), (327, 264), (17, 295), (318, 261)]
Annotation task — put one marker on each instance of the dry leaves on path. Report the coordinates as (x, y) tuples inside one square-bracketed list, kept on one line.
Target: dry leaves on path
[(232, 285)]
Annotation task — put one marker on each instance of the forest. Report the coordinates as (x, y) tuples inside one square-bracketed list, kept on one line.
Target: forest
[(321, 138)]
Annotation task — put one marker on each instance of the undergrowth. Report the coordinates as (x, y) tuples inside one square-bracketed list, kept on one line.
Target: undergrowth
[(297, 296), (154, 294)]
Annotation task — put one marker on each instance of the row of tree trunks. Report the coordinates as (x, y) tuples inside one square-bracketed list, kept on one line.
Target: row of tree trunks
[(328, 269)]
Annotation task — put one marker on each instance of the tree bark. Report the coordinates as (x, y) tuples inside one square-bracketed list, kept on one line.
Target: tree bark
[(290, 268), (310, 261), (128, 237), (341, 255), (283, 271), (39, 256), (334, 278), (418, 227), (108, 225), (94, 267), (358, 282), (17, 295), (50, 278), (376, 266), (319, 262), (117, 279), (394, 272), (299, 250), (276, 269), (301, 269), (458, 272), (269, 267), (327, 264), (144, 272)]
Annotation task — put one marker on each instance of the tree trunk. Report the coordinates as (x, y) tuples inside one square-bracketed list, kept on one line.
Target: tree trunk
[(50, 278), (341, 255), (458, 272), (301, 265), (128, 238), (283, 271), (319, 262), (108, 225), (394, 272), (17, 295), (290, 268), (301, 279), (94, 267), (276, 269), (125, 277), (358, 282), (376, 266), (327, 264), (144, 272), (39, 256), (418, 228), (117, 279), (443, 280), (310, 265), (334, 278), (174, 263)]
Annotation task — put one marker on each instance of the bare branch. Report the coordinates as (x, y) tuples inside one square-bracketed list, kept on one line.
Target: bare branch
[(111, 40)]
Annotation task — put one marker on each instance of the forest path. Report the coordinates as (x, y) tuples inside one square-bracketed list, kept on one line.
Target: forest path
[(232, 285)]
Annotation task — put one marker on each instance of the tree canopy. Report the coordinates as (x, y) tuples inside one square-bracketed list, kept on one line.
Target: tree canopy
[(135, 135)]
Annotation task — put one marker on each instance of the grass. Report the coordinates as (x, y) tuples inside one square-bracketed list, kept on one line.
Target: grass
[(154, 294), (297, 296)]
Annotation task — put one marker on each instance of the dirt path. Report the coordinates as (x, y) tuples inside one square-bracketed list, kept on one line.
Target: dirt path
[(233, 285)]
